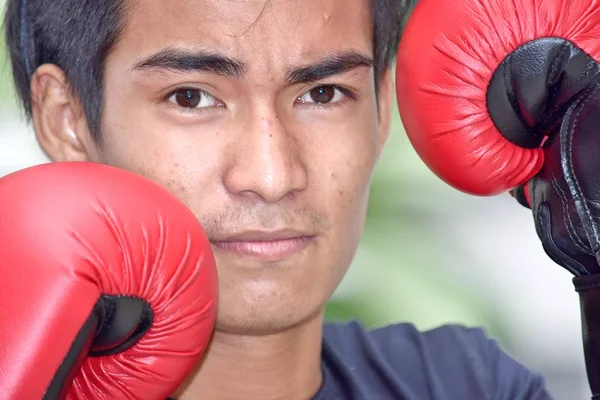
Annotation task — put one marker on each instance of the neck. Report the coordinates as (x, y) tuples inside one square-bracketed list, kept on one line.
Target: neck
[(284, 365)]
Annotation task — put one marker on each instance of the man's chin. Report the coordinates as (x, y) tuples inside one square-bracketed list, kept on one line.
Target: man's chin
[(266, 315)]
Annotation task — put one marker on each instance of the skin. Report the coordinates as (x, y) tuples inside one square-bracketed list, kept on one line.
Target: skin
[(256, 154)]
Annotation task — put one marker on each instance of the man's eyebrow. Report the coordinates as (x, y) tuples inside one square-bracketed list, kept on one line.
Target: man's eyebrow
[(332, 65), (180, 60)]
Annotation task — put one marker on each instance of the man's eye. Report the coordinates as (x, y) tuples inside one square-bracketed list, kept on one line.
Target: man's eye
[(322, 95), (193, 98)]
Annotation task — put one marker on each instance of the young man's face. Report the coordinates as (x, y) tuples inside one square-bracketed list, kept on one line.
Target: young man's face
[(258, 143)]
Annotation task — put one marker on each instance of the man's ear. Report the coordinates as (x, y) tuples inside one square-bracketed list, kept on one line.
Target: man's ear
[(59, 122), (386, 104)]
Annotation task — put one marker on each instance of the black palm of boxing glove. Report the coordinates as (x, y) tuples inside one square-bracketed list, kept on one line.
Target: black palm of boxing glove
[(557, 86), (565, 195)]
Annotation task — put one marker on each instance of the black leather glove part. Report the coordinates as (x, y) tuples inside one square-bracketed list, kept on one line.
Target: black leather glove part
[(547, 93), (565, 195), (588, 287)]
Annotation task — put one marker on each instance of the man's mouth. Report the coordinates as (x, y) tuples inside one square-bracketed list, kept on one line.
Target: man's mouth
[(267, 246)]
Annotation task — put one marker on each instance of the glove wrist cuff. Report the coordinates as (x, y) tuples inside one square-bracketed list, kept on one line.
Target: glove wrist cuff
[(588, 287), (586, 283)]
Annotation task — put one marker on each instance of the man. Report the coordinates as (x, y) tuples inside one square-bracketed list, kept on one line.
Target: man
[(266, 118)]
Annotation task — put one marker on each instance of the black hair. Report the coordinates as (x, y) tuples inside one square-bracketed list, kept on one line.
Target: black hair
[(77, 36)]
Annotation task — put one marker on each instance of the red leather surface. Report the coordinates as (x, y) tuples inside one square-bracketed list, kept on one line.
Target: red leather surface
[(70, 232), (447, 56)]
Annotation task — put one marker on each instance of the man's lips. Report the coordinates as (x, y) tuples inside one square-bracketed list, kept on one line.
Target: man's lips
[(268, 246)]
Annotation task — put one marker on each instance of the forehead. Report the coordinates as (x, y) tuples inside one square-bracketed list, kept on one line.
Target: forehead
[(258, 32)]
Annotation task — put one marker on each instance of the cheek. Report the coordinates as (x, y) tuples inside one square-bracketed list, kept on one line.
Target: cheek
[(348, 183), (350, 192), (134, 137), (351, 166), (174, 158)]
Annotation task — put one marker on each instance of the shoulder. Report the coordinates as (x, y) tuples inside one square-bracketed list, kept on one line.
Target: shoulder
[(445, 345), (442, 358), (444, 341)]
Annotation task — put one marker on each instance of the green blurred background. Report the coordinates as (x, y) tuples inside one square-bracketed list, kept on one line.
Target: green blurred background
[(429, 256)]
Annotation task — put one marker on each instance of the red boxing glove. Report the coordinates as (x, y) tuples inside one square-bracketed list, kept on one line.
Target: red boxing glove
[(108, 286), (474, 122), (499, 95)]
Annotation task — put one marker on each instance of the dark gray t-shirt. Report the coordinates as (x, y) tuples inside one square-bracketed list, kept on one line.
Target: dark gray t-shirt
[(398, 362)]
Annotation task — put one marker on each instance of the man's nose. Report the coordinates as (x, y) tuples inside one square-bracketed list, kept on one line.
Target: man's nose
[(266, 162)]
